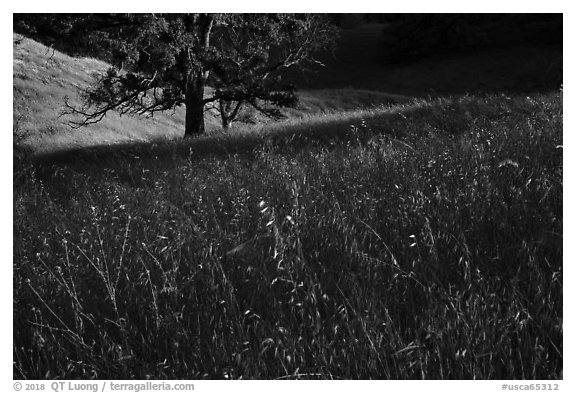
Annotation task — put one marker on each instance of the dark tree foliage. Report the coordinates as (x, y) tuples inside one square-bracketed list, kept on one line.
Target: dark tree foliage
[(160, 61), (46, 26), (413, 36), (75, 34)]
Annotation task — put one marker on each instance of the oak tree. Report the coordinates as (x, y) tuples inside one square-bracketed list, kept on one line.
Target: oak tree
[(220, 61)]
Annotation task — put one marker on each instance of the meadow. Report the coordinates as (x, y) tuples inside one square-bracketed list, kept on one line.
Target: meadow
[(412, 239), (425, 245)]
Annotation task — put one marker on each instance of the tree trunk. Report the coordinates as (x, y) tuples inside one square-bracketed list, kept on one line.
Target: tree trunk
[(194, 105), (196, 78), (224, 114)]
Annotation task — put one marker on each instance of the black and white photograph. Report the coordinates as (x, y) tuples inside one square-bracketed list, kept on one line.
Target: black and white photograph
[(287, 196)]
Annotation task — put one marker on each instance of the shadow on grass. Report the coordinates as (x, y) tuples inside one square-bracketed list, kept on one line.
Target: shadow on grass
[(404, 122), (320, 130)]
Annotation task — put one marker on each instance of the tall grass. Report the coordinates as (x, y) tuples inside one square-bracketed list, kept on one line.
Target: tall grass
[(426, 246)]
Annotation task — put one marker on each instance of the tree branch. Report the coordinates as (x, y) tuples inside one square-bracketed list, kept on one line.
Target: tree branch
[(126, 94)]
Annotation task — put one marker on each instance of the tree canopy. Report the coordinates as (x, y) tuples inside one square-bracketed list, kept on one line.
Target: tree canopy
[(160, 61)]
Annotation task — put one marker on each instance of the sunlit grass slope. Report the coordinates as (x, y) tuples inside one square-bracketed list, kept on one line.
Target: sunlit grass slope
[(43, 77)]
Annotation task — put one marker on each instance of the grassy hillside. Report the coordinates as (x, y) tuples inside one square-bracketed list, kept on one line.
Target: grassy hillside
[(356, 76), (43, 77)]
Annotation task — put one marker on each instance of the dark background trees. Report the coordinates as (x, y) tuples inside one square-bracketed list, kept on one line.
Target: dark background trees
[(407, 37)]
